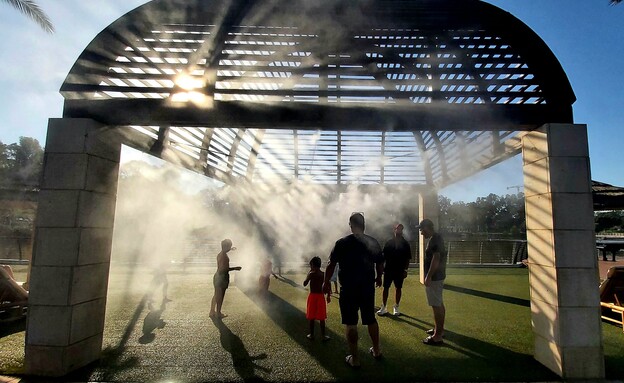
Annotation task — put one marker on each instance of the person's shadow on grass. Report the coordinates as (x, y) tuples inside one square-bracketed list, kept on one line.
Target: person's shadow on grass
[(330, 355), (113, 359), (241, 359), (152, 321), (410, 320)]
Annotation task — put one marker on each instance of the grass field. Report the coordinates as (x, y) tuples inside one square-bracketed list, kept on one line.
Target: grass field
[(488, 335)]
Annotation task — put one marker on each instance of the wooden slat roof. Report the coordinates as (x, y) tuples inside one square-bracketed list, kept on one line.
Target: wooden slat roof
[(427, 91)]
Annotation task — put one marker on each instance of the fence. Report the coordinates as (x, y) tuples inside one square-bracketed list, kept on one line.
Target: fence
[(460, 252), (15, 249), (486, 252)]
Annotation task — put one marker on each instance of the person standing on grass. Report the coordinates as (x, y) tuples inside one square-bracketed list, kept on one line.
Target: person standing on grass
[(264, 280), (316, 308), (397, 255), (435, 273), (221, 279), (361, 265)]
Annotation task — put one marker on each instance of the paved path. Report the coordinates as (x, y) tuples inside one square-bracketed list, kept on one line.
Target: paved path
[(604, 266)]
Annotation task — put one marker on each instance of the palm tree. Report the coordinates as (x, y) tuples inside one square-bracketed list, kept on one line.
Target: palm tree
[(32, 10), (614, 2)]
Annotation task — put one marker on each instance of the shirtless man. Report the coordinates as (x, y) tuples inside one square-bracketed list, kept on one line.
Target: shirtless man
[(221, 279)]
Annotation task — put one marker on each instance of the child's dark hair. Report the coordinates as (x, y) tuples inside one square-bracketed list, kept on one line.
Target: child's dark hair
[(315, 262)]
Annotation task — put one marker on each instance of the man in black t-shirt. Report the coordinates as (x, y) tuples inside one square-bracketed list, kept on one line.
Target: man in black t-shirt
[(435, 273), (397, 254), (361, 264)]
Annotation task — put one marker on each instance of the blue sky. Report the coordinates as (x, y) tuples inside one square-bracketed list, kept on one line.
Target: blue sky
[(586, 36)]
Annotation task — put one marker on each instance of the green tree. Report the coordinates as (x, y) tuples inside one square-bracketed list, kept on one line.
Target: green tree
[(34, 12), (609, 221), (21, 163), (445, 206), (492, 214)]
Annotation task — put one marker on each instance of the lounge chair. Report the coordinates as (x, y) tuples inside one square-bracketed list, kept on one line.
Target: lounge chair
[(612, 296)]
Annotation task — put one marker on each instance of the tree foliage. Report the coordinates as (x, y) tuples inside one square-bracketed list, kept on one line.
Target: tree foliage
[(34, 12), (491, 214), (610, 221), (21, 163)]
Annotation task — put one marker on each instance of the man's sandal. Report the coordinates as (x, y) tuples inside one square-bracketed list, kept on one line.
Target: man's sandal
[(372, 352), (429, 341), (349, 361), (431, 331)]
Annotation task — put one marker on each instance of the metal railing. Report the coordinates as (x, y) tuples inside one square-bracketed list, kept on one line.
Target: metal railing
[(17, 248), (486, 252)]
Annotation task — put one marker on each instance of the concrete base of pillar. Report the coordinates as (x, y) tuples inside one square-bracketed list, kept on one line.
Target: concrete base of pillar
[(73, 240), (59, 361)]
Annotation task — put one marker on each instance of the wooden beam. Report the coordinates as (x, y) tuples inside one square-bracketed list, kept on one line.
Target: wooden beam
[(401, 116)]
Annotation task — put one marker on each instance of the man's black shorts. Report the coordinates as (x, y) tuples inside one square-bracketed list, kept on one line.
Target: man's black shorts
[(395, 276), (357, 299)]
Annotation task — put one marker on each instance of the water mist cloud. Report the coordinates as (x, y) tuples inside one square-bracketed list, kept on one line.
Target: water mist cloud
[(159, 222)]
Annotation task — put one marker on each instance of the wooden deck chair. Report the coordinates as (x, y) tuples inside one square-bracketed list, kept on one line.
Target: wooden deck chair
[(612, 296)]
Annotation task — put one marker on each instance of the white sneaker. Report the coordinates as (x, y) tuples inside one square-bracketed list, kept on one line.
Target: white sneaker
[(382, 310), (395, 310)]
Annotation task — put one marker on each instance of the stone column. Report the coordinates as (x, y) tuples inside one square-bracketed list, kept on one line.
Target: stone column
[(428, 207), (71, 257), (563, 269)]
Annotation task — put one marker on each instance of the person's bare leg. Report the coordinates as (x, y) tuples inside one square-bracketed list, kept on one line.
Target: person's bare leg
[(220, 296), (439, 312), (373, 331), (311, 333), (352, 341), (164, 291), (9, 271), (323, 334), (384, 296), (397, 296), (213, 303)]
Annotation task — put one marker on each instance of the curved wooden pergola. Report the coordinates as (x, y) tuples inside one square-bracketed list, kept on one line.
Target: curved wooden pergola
[(420, 93), (372, 92)]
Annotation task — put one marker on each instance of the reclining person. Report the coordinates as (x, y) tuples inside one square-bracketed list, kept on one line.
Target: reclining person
[(10, 290)]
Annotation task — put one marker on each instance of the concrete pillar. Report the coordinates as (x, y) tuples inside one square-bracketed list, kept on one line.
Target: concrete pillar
[(428, 207), (563, 269), (71, 257)]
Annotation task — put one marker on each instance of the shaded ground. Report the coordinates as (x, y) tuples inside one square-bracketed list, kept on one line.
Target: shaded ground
[(489, 334)]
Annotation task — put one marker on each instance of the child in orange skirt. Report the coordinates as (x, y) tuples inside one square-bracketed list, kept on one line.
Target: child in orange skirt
[(316, 308)]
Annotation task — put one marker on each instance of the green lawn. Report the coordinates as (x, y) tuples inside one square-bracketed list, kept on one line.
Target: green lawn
[(488, 334)]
